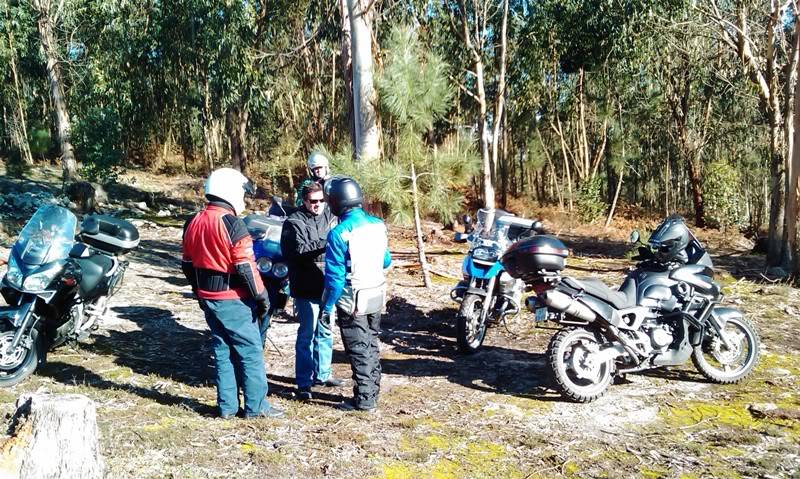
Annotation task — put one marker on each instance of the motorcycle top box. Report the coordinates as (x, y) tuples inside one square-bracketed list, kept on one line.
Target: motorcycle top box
[(533, 256), (106, 233)]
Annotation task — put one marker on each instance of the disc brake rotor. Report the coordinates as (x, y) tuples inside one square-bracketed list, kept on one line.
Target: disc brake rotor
[(10, 360), (582, 360), (722, 354)]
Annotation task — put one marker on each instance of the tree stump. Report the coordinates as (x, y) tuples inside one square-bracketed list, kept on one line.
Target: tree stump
[(52, 436)]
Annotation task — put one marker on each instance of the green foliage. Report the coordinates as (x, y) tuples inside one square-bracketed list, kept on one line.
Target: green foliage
[(590, 202), (415, 92), (39, 141), (722, 192), (97, 138)]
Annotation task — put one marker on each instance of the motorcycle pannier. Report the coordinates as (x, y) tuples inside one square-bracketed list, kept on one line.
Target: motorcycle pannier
[(529, 258), (109, 234)]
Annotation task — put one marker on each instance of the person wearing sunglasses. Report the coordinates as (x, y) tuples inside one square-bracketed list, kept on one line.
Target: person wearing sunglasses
[(303, 242)]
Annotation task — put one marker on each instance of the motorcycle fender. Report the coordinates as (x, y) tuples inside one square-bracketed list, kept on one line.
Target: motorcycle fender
[(15, 314), (475, 270), (722, 315), (476, 291)]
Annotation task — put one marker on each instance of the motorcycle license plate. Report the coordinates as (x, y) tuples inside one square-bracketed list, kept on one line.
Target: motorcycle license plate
[(541, 314)]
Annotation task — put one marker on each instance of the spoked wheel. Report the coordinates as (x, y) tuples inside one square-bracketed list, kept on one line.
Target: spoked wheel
[(728, 365), (579, 375), (470, 328), (20, 363)]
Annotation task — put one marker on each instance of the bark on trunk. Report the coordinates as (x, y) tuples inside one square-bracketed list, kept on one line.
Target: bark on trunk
[(49, 49), (53, 436), (365, 126), (236, 126), (793, 166), (346, 66), (423, 261), (501, 93)]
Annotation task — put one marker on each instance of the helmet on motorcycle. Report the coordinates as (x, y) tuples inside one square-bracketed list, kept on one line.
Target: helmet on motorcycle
[(669, 239), (229, 185), (318, 160), (343, 194)]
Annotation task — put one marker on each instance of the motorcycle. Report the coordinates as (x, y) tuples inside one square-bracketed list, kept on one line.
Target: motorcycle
[(666, 311), (487, 293), (266, 233), (58, 285)]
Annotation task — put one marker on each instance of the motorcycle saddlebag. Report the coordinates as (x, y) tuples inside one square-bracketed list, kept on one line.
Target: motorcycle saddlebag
[(109, 234), (531, 257)]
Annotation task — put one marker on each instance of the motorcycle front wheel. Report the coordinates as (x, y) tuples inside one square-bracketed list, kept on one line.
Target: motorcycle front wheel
[(471, 329), (723, 365), (20, 364), (578, 375)]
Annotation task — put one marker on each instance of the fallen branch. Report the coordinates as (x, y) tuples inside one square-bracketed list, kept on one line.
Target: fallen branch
[(443, 274)]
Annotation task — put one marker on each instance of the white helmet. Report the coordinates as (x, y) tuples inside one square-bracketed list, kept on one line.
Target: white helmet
[(317, 159), (229, 185)]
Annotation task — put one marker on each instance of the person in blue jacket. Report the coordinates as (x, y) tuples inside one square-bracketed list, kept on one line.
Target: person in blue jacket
[(356, 255)]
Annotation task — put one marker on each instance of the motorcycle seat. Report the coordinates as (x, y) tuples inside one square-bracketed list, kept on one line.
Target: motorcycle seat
[(622, 299)]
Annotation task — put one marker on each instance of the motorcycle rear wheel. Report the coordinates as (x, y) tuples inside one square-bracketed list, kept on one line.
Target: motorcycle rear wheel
[(577, 377), (721, 365), (470, 330), (34, 357)]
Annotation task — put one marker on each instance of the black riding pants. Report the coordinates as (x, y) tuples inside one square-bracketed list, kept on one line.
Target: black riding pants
[(360, 339)]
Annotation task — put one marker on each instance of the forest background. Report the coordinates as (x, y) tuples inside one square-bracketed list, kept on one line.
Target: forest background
[(583, 105)]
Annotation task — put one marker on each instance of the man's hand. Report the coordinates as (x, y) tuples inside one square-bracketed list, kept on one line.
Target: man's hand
[(262, 304), (325, 318)]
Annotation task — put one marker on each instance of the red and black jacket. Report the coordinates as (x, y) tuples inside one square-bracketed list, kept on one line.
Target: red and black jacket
[(218, 255)]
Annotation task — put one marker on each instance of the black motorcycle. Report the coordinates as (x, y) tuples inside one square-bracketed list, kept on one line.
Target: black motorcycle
[(58, 285), (666, 311)]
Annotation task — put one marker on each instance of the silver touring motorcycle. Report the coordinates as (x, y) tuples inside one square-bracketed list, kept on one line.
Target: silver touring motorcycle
[(666, 311), (58, 284)]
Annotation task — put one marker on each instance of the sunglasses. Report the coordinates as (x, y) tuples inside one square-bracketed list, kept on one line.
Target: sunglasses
[(314, 202)]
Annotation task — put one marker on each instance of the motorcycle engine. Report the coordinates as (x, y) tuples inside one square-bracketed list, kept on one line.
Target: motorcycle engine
[(660, 334)]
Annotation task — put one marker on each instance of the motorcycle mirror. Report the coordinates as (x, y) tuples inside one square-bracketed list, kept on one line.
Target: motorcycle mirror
[(538, 227), (634, 237), (460, 237)]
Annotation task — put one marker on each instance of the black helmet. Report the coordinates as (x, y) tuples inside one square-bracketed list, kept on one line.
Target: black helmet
[(669, 239), (343, 194)]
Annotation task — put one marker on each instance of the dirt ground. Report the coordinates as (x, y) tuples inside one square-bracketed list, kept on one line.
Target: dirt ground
[(442, 414)]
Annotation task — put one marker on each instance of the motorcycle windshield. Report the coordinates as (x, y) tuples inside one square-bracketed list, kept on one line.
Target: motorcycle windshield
[(48, 236), (487, 228)]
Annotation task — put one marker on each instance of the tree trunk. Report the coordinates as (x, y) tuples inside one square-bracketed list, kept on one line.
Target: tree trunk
[(423, 261), (53, 436), (236, 127), (501, 93), (793, 166), (777, 203), (365, 125), (49, 49), (346, 65)]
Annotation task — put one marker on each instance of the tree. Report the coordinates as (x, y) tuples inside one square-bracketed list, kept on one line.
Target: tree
[(50, 16), (365, 121)]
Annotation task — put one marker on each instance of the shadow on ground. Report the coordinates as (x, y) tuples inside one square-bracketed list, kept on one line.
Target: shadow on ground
[(428, 341)]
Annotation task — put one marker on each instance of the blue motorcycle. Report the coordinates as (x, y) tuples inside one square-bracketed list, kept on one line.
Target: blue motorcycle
[(266, 233), (487, 293)]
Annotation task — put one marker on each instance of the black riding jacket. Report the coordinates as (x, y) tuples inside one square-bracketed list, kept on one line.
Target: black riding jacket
[(303, 242)]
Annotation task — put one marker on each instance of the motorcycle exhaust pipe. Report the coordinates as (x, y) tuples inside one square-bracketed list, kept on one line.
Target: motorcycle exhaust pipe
[(562, 302)]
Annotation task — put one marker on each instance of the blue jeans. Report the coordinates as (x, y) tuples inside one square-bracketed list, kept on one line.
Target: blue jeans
[(238, 356), (314, 345)]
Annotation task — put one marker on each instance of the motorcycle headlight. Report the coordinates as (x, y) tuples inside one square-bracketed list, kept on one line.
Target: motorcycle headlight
[(264, 265), (484, 254), (14, 276), (280, 270), (40, 280)]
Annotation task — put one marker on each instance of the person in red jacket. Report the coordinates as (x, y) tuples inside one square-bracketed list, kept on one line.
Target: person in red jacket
[(219, 263)]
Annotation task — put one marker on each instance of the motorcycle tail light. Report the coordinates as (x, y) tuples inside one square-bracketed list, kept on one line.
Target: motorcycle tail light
[(540, 288), (69, 281)]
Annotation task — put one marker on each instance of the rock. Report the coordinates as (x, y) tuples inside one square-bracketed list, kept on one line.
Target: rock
[(86, 195), (761, 410), (779, 372), (777, 272), (163, 213), (142, 206)]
